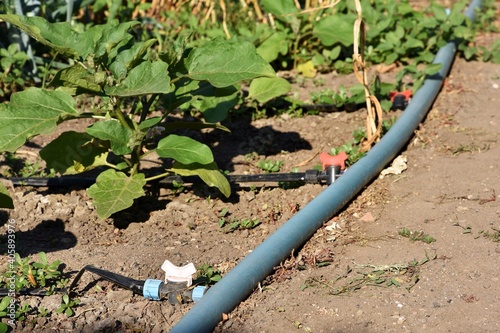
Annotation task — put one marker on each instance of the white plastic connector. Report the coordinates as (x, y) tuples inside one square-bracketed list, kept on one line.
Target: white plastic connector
[(178, 274)]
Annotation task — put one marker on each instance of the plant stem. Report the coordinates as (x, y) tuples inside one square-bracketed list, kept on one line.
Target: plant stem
[(165, 174)]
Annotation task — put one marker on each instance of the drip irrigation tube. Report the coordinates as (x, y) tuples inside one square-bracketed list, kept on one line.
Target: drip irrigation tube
[(239, 283), (309, 177)]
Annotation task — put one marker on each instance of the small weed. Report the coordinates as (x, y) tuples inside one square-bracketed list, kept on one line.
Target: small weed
[(270, 165), (41, 274), (208, 275), (67, 306), (416, 236), (353, 152), (14, 166), (43, 312), (493, 236), (235, 224), (231, 224), (466, 230), (33, 274)]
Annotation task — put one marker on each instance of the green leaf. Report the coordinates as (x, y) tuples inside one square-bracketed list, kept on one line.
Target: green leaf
[(284, 10), (5, 199), (147, 78), (127, 59), (114, 191), (32, 112), (98, 40), (57, 36), (150, 122), (335, 29), (112, 130), (272, 47), (4, 328), (184, 150), (432, 69), (223, 63), (264, 89), (74, 152), (217, 108), (439, 12), (279, 7), (209, 173), (76, 76)]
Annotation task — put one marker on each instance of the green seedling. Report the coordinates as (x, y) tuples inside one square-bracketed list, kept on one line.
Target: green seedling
[(270, 166), (33, 274), (207, 275), (494, 235), (416, 236), (67, 306), (233, 224), (43, 312)]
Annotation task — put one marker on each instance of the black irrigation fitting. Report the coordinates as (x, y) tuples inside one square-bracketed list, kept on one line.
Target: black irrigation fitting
[(156, 290), (328, 176)]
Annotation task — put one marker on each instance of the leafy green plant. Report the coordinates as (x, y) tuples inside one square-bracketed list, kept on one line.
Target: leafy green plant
[(33, 274), (4, 303), (231, 224), (270, 166), (12, 62), (416, 236), (207, 275), (68, 305), (14, 166), (129, 77)]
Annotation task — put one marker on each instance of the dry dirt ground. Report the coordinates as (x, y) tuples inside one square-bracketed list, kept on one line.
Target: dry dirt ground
[(358, 273)]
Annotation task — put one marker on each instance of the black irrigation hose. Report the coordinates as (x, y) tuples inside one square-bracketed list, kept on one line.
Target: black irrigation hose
[(309, 177), (125, 282)]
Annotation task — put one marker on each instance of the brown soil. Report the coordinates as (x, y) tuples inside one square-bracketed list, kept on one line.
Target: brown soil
[(340, 280)]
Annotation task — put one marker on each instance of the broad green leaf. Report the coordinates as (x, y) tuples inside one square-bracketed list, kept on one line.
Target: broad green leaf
[(216, 103), (58, 36), (433, 69), (106, 36), (118, 135), (264, 89), (209, 173), (284, 10), (335, 29), (150, 122), (127, 59), (216, 109), (5, 199), (412, 43), (439, 12), (76, 76), (223, 63), (147, 78), (184, 150), (32, 112), (114, 191), (279, 7), (74, 152), (272, 47)]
